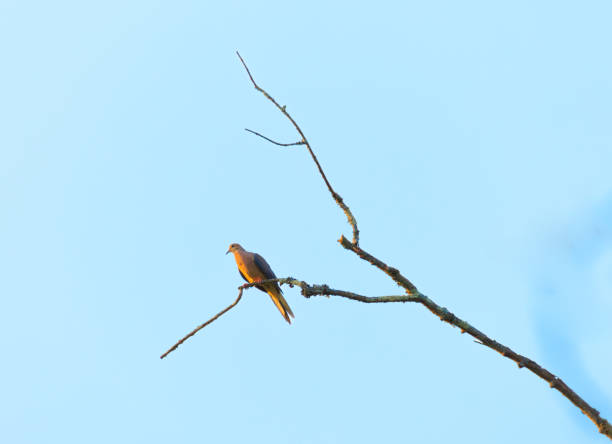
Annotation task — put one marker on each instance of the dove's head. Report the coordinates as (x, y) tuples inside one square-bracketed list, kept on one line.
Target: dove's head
[(234, 247)]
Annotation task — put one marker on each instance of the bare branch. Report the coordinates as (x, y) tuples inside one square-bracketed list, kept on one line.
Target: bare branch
[(414, 295), (301, 142), (307, 291), (446, 316), (200, 327), (351, 219)]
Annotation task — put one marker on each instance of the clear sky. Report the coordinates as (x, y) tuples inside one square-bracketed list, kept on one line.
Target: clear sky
[(471, 139)]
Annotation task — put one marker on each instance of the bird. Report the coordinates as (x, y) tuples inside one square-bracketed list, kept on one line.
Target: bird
[(254, 268)]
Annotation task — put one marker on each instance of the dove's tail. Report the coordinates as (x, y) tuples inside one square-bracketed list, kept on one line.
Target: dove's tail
[(281, 303)]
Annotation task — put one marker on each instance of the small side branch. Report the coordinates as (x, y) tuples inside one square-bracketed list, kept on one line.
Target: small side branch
[(324, 290), (301, 142), (200, 327), (283, 109)]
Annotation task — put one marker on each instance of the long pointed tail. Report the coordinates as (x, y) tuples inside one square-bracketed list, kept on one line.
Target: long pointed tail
[(281, 304)]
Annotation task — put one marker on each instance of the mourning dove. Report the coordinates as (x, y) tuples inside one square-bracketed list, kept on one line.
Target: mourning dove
[(254, 268)]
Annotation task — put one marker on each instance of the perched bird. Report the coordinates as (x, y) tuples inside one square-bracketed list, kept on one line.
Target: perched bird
[(254, 268)]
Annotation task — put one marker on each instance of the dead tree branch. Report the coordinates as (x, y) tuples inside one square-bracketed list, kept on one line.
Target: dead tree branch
[(413, 294)]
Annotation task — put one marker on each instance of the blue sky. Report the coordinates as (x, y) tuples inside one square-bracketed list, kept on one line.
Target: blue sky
[(471, 140)]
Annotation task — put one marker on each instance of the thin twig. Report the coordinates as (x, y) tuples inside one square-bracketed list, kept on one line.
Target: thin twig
[(301, 142), (351, 219), (200, 327)]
